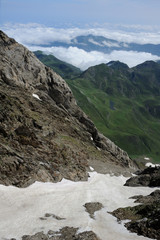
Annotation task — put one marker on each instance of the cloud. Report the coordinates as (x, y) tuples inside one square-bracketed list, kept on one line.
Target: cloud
[(110, 44), (33, 33), (94, 42), (36, 34), (83, 60)]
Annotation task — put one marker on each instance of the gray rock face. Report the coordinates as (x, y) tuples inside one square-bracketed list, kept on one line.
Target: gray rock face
[(19, 66), (48, 138)]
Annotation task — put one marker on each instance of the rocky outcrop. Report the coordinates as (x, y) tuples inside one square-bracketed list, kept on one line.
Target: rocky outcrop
[(145, 218), (93, 207), (44, 135), (66, 233), (147, 177)]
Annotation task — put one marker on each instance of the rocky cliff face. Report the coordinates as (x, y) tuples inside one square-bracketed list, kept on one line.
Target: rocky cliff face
[(44, 135), (145, 218)]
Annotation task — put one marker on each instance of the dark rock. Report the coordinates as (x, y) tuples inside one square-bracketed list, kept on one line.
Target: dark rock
[(92, 207), (3, 132), (47, 215), (148, 177), (66, 233), (145, 218), (153, 197), (37, 236)]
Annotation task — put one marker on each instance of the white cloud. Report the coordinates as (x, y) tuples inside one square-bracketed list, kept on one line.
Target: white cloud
[(35, 34), (94, 42), (39, 34), (110, 44), (82, 59)]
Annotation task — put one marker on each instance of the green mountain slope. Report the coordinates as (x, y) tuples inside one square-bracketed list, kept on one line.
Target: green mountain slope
[(64, 69), (124, 104)]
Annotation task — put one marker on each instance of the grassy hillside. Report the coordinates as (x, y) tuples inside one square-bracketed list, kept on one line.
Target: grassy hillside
[(64, 69), (124, 104)]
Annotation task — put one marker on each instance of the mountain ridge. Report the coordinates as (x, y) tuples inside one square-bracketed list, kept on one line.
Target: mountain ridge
[(65, 70), (106, 45), (123, 103), (44, 135)]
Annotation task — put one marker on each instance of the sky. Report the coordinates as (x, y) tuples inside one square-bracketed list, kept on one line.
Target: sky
[(39, 22), (80, 12)]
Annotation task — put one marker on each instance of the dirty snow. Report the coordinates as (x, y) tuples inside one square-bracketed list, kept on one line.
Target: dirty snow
[(21, 209)]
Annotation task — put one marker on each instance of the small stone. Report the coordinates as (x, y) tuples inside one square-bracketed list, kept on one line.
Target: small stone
[(48, 214), (92, 207), (42, 218)]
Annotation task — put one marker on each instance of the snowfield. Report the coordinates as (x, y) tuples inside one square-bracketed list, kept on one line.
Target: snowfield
[(21, 209)]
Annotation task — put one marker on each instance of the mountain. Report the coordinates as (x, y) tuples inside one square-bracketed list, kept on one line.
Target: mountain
[(124, 104), (65, 70), (44, 135), (106, 45)]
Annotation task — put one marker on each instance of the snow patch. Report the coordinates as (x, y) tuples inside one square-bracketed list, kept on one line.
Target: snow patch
[(36, 96), (98, 149), (109, 64), (91, 168), (21, 207), (152, 165)]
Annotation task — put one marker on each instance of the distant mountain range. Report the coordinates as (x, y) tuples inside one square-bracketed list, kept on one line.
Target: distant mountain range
[(124, 104), (105, 45)]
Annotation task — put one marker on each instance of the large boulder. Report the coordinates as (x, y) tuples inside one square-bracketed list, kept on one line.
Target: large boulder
[(148, 177)]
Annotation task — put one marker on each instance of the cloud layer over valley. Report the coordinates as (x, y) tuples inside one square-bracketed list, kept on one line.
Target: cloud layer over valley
[(38, 37), (83, 59)]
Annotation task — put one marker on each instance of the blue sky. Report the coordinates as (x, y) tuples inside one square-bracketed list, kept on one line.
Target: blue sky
[(38, 22), (80, 12)]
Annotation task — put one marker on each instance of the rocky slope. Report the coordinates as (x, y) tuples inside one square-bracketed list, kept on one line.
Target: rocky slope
[(66, 233), (148, 177), (144, 218), (44, 135)]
